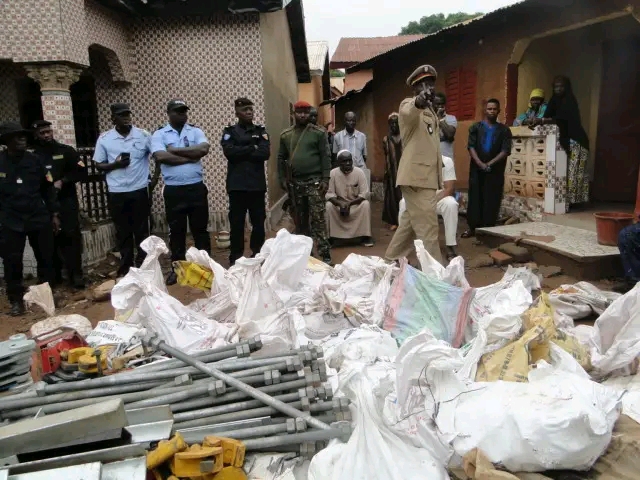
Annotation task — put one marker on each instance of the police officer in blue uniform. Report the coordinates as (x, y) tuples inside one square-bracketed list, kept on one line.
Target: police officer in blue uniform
[(66, 168), (122, 154), (179, 148), (246, 146), (28, 209)]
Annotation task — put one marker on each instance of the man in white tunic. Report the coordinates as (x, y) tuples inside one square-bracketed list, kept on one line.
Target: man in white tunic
[(447, 206), (348, 208)]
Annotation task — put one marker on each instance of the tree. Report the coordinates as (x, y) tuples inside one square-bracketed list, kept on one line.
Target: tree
[(436, 22), (337, 73)]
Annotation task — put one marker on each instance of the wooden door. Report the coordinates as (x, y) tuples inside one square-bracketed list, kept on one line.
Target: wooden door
[(617, 159)]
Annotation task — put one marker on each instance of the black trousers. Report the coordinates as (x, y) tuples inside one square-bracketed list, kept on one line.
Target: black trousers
[(485, 197), (68, 242), (241, 202), (187, 203), (130, 213), (13, 243)]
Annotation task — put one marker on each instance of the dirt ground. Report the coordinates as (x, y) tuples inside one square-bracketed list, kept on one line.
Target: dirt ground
[(78, 302)]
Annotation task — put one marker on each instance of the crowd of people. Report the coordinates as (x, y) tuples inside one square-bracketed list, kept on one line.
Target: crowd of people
[(324, 173)]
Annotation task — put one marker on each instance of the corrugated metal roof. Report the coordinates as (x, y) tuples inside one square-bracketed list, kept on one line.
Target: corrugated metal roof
[(352, 50), (317, 52), (368, 63)]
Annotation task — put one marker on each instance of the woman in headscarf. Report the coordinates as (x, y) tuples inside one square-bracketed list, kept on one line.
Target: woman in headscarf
[(537, 109), (563, 111), (392, 145)]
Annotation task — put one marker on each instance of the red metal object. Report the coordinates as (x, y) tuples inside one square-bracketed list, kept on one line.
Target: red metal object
[(49, 346)]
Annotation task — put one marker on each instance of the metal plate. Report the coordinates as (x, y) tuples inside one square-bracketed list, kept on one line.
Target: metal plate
[(131, 469), (51, 431), (150, 424), (107, 455), (88, 471)]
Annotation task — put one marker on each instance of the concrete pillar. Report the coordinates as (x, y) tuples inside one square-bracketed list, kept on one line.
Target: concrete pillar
[(55, 81)]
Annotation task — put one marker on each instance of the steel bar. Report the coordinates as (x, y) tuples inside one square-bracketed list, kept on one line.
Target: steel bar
[(230, 408), (235, 396), (10, 402), (178, 396), (253, 413), (339, 431), (234, 382), (254, 344), (253, 430)]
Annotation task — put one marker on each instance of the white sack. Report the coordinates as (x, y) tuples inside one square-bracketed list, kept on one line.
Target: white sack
[(374, 451), (629, 388), (80, 324), (616, 336), (275, 466), (363, 345), (580, 300), (261, 311), (111, 332), (42, 296), (141, 298), (285, 259), (483, 303), (453, 274)]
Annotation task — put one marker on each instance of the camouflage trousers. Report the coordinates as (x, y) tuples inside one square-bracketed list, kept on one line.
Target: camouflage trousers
[(309, 214)]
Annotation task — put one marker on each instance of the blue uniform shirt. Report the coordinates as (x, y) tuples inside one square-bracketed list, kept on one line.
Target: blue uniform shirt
[(169, 137), (138, 145)]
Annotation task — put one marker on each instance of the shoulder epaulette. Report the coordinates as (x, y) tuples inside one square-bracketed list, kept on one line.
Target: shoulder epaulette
[(259, 125), (103, 134), (286, 130), (317, 127), (145, 132), (192, 125)]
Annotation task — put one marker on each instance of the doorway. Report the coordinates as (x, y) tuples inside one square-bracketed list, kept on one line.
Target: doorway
[(617, 159)]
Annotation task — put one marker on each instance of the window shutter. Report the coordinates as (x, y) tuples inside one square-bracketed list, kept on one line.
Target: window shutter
[(460, 89)]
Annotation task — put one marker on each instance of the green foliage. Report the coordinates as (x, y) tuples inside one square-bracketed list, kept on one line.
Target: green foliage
[(337, 73), (436, 22)]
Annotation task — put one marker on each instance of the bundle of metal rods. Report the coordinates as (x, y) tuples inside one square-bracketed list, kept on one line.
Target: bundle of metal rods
[(204, 406)]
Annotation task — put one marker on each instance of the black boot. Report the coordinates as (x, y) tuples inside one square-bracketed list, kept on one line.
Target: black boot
[(172, 278)]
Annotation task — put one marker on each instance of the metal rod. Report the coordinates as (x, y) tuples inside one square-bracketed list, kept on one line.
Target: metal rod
[(229, 408), (342, 431), (251, 430), (10, 402), (235, 396), (234, 382)]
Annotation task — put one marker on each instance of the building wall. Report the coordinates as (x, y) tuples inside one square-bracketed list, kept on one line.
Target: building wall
[(363, 106), (280, 87), (357, 80), (312, 93), (487, 53), (223, 62), (547, 57)]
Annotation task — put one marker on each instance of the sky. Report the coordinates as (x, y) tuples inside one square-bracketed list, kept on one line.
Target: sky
[(331, 20)]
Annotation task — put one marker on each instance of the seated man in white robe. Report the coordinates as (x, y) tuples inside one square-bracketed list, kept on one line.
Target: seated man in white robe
[(348, 209), (447, 206)]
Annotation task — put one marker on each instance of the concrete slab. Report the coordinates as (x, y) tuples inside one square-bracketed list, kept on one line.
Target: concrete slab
[(575, 243)]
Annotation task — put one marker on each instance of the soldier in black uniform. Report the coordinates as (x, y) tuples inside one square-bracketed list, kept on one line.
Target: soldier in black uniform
[(246, 146), (28, 209), (67, 168)]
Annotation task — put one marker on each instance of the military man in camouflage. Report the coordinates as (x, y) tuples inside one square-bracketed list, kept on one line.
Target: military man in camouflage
[(304, 167)]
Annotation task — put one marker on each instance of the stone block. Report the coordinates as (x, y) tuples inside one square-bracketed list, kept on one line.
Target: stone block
[(518, 253), (548, 271), (501, 258), (480, 261)]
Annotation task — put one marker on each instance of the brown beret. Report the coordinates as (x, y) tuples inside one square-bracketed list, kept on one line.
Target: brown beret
[(420, 73)]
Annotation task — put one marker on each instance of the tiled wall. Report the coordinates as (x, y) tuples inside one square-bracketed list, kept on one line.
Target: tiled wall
[(208, 62)]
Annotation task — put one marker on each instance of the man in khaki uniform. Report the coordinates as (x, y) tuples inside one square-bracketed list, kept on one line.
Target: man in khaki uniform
[(420, 170)]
